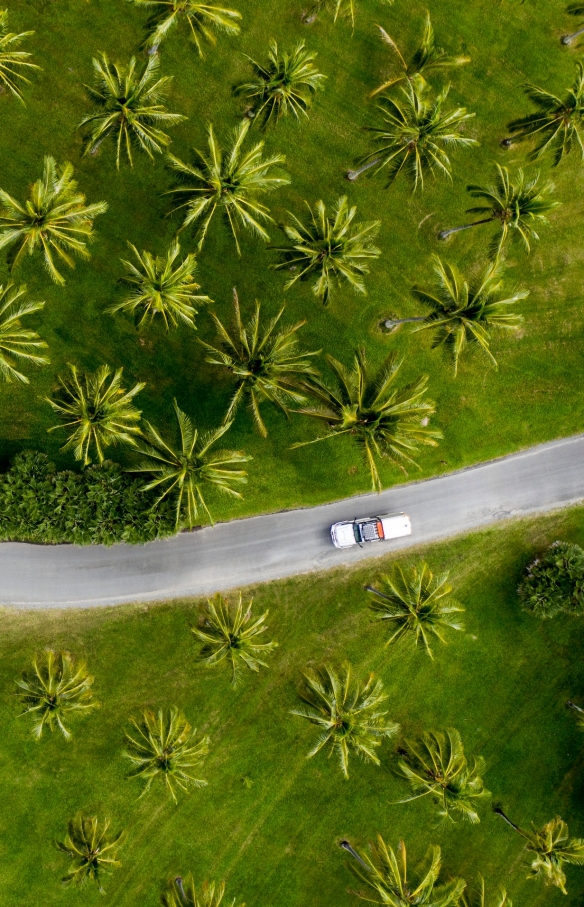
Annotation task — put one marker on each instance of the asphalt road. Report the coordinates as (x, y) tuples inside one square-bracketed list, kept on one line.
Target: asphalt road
[(276, 545)]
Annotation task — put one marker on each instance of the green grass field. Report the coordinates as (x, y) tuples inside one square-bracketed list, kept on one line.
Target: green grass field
[(503, 683), (483, 413)]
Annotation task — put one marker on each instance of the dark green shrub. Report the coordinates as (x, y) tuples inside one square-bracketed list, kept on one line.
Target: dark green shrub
[(99, 506), (554, 583)]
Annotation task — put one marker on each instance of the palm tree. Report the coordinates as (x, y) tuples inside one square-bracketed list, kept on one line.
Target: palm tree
[(516, 206), (574, 9), (385, 871), (557, 122), (203, 20), (548, 849), (185, 472), (414, 135), (55, 219), (415, 603), (464, 313), (162, 286), (344, 9), (210, 894), (13, 61), (426, 58), (164, 749), (228, 634), (478, 897), (330, 247), (265, 362), (386, 421), (17, 344), (129, 108), (230, 182), (92, 849), (347, 712), (436, 765), (99, 412), (286, 84), (55, 688)]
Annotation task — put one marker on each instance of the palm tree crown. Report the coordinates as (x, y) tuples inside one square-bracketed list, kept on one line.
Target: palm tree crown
[(557, 123), (415, 134), (184, 894), (17, 344), (204, 19), (265, 362), (164, 749), (229, 181), (129, 108), (331, 247), (161, 286), (185, 472), (415, 602), (426, 58), (436, 765), (386, 421), (286, 84), (516, 205), (55, 219), (548, 849), (464, 313), (478, 897), (386, 872), (92, 849), (13, 61), (56, 688), (340, 9), (347, 712), (230, 634), (98, 410)]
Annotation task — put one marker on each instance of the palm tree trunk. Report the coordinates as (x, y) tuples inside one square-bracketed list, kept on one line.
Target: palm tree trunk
[(567, 39), (393, 323), (572, 705), (346, 846), (353, 174), (444, 234), (499, 812)]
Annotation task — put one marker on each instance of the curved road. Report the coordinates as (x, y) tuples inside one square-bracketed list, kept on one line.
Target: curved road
[(297, 541)]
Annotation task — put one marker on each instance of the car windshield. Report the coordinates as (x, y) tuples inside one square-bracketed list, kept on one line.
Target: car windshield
[(357, 533)]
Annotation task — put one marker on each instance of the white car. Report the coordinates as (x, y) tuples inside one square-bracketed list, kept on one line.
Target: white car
[(370, 529)]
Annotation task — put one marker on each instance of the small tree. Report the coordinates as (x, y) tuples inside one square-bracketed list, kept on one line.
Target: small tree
[(55, 689), (55, 220), (98, 411), (204, 19), (386, 421), (163, 749), (92, 849), (329, 247), (230, 182), (184, 894), (557, 123), (385, 871), (436, 766), (161, 286), (129, 108), (229, 633), (13, 63), (427, 58), (414, 135), (415, 603), (347, 712), (187, 471), (264, 361), (548, 849), (286, 84), (554, 583), (18, 345)]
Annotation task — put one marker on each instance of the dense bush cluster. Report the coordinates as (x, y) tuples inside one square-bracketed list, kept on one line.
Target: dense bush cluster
[(554, 583), (99, 506)]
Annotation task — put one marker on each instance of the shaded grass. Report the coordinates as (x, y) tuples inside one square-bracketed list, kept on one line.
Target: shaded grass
[(483, 413), (503, 683)]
